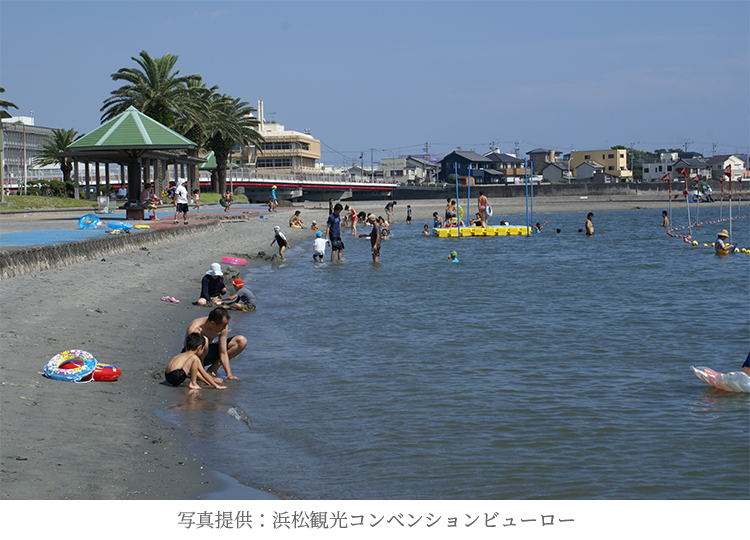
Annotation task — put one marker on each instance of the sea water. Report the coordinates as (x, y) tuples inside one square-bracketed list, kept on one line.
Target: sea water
[(555, 366)]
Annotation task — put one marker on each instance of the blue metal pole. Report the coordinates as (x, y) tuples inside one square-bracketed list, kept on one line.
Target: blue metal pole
[(526, 181), (532, 193), (458, 221), (468, 196)]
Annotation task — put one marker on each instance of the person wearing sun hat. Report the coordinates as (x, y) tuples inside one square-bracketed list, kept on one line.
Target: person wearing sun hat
[(319, 247), (721, 246), (212, 286), (281, 241), (453, 257), (243, 299)]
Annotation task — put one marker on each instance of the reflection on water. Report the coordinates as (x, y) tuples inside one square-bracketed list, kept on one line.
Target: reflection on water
[(556, 366)]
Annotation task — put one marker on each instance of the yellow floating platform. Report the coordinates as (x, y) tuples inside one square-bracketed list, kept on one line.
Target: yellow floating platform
[(482, 231)]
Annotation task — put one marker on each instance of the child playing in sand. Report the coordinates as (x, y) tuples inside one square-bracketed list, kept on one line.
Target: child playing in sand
[(243, 299), (314, 226), (281, 240), (189, 363), (319, 247)]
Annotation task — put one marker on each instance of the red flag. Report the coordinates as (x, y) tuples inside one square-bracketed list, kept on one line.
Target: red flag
[(683, 172), (668, 178), (728, 171)]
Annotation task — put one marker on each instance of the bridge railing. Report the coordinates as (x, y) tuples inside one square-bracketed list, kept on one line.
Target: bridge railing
[(253, 175)]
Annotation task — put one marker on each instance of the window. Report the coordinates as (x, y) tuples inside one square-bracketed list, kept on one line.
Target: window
[(586, 157), (610, 168), (669, 168), (611, 156), (622, 156), (645, 169)]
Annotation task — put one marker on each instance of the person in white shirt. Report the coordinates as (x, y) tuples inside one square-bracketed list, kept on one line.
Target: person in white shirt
[(319, 247), (181, 201)]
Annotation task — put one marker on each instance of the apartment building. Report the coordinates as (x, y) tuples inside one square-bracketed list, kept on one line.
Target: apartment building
[(615, 162)]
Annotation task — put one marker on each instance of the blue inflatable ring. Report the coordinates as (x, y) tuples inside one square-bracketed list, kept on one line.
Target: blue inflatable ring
[(488, 210), (89, 221), (53, 370)]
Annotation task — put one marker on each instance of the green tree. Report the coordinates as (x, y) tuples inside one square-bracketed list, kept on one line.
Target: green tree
[(229, 122), (4, 104), (154, 88), (60, 141)]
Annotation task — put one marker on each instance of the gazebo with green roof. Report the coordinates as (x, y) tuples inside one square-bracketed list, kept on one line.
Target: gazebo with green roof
[(131, 138)]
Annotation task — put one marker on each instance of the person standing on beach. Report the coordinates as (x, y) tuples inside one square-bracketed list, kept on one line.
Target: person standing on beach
[(408, 214), (664, 219), (333, 231), (389, 210), (180, 200), (216, 327), (374, 237), (589, 224), (281, 240)]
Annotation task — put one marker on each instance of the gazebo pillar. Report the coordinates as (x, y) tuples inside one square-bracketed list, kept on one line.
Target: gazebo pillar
[(98, 178), (88, 176), (76, 191), (134, 180), (106, 178)]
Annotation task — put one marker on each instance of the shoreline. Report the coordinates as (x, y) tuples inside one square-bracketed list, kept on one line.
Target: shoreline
[(104, 440)]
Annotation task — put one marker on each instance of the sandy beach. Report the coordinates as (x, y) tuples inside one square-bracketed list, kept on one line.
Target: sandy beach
[(62, 440)]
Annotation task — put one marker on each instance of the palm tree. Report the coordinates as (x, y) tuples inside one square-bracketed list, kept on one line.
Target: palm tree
[(229, 122), (60, 141), (154, 89), (6, 104)]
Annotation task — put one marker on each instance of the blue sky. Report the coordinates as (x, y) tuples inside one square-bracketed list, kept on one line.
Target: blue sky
[(395, 75)]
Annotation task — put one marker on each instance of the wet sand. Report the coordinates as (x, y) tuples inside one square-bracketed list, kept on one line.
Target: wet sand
[(61, 440)]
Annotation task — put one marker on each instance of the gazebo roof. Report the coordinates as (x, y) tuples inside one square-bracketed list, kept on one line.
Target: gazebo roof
[(210, 163), (132, 131)]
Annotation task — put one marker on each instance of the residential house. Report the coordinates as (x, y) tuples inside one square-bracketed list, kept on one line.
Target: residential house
[(511, 168), (539, 158), (557, 173), (615, 162), (586, 170), (719, 164), (460, 160), (409, 170), (693, 167), (653, 171)]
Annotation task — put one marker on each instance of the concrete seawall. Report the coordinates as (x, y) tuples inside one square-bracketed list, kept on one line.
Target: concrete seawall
[(38, 258)]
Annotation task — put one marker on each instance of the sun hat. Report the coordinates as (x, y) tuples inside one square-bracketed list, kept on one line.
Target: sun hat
[(277, 228), (319, 234), (215, 270), (238, 283), (454, 254), (723, 233)]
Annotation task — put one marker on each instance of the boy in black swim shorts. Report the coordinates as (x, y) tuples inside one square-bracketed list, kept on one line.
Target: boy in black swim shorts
[(188, 362)]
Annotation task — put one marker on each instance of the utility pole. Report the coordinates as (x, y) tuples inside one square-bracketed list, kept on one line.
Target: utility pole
[(632, 155), (517, 147), (687, 142), (713, 152)]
